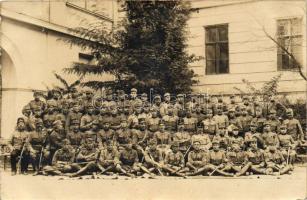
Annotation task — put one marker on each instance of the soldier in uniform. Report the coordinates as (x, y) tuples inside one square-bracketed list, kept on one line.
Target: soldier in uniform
[(274, 122), (179, 106), (115, 118), (197, 160), (123, 134), (294, 126), (221, 119), (142, 135), (234, 136), (75, 136), (174, 161), (202, 137), (189, 122), (170, 120), (217, 160), (157, 103), (223, 139), (129, 161), (210, 125), (104, 135), (255, 157), (63, 161), (87, 158), (253, 133), (258, 119), (166, 102), (38, 142), (56, 138), (109, 159), (233, 120), (19, 147), (37, 102), (287, 145), (163, 139), (275, 162), (269, 138), (153, 122), (182, 137), (237, 161), (73, 114), (245, 120), (87, 119)]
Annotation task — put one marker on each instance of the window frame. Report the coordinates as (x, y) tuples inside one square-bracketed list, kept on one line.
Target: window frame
[(217, 44), (290, 36)]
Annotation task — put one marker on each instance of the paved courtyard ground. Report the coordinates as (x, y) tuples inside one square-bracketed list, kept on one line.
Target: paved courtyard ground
[(24, 187)]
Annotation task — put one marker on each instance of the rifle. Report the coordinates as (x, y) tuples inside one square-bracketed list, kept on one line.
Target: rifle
[(288, 155), (20, 157), (187, 151)]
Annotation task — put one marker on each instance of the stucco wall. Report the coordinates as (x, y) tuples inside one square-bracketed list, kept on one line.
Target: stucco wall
[(252, 55)]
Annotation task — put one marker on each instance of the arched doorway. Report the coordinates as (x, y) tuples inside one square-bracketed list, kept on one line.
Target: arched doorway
[(8, 95)]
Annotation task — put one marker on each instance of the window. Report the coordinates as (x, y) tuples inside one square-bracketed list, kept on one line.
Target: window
[(289, 35), (217, 54), (96, 6)]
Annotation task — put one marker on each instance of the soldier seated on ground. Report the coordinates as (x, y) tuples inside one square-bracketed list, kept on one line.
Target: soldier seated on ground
[(255, 157), (236, 161), (63, 161), (275, 162), (129, 161)]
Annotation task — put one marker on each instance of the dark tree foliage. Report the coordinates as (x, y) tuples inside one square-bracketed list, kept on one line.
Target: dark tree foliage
[(147, 50)]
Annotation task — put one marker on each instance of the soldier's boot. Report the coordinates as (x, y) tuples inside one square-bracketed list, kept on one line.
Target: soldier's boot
[(197, 172), (285, 170), (244, 169), (221, 172), (146, 170), (83, 170), (258, 170)]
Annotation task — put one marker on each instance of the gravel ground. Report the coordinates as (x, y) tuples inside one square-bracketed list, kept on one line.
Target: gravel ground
[(25, 187)]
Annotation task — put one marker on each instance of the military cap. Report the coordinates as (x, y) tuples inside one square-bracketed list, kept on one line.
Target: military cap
[(133, 90), (75, 121), (266, 123), (200, 125), (65, 142), (152, 142), (20, 119), (272, 111), (180, 95), (289, 110), (26, 107), (232, 127), (245, 97), (37, 93), (144, 95), (215, 141), (161, 122), (38, 121), (157, 96), (231, 110), (124, 119), (52, 102), (167, 94), (109, 92), (175, 144), (120, 92), (196, 141), (232, 96), (180, 121), (142, 120), (57, 123), (253, 139), (283, 125)]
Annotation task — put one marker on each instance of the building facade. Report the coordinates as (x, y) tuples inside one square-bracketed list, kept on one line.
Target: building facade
[(232, 36), (31, 49)]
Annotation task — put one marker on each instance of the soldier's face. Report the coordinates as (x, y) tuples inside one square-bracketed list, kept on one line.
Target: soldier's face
[(109, 97), (189, 114), (109, 147), (244, 112), (56, 95), (157, 101), (90, 110), (138, 110), (167, 98), (258, 113), (114, 112), (289, 114), (209, 115), (232, 114), (154, 114), (162, 127), (146, 109), (144, 98), (75, 128), (127, 110), (175, 149), (133, 94), (253, 128), (180, 127), (106, 126), (236, 147), (219, 111), (253, 145), (27, 112), (124, 124), (235, 132), (196, 146), (215, 147), (170, 112), (267, 128), (142, 126), (21, 126), (39, 127)]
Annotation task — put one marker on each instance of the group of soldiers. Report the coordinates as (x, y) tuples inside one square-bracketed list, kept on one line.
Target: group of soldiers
[(78, 133)]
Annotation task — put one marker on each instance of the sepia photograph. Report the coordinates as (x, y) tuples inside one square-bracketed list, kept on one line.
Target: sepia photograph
[(153, 100)]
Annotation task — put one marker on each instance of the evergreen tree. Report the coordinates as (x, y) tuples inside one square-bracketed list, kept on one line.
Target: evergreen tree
[(147, 50)]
